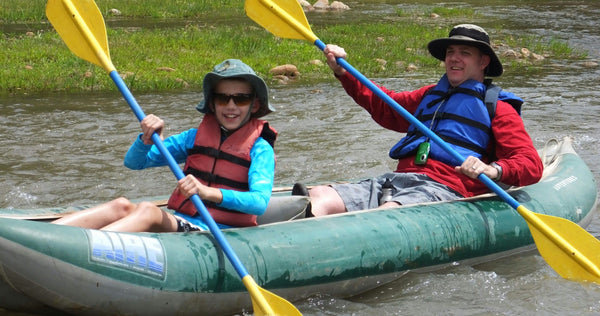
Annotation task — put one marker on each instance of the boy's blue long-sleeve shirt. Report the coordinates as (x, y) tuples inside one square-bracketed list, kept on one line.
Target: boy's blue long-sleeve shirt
[(260, 174)]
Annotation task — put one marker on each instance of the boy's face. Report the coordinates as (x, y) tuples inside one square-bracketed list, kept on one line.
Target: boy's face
[(233, 102)]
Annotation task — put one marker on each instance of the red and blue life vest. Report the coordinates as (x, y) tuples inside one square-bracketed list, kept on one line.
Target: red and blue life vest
[(222, 164), (460, 117)]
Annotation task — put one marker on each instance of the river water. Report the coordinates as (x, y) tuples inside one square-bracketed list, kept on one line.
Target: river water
[(68, 149)]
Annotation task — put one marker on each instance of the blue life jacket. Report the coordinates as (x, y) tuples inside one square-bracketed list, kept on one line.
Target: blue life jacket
[(461, 116)]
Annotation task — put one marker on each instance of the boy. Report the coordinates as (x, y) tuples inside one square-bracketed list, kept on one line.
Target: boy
[(229, 161)]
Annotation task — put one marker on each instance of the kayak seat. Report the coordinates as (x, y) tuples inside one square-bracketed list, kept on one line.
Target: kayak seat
[(284, 208)]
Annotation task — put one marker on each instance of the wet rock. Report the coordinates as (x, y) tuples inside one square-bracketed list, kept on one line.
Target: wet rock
[(114, 12), (321, 5), (589, 64), (281, 79), (167, 69), (285, 73), (411, 67), (510, 54), (182, 82), (536, 57), (306, 5), (523, 54), (338, 6), (126, 74), (316, 62)]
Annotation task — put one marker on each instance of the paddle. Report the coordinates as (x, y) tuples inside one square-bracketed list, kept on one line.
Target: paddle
[(570, 250), (81, 26)]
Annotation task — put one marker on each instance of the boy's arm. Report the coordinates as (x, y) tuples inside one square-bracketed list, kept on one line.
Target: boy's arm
[(141, 156), (260, 180)]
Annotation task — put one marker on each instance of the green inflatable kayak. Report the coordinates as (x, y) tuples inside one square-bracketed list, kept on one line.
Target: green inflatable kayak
[(51, 267)]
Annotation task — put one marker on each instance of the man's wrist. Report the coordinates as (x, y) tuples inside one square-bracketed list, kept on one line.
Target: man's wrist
[(499, 169)]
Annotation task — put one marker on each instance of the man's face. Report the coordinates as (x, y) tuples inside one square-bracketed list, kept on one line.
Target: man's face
[(464, 62)]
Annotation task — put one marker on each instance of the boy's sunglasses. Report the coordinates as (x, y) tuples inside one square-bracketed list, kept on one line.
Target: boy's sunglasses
[(240, 99)]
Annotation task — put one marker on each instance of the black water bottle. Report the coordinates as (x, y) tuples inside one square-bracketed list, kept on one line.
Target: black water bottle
[(386, 192)]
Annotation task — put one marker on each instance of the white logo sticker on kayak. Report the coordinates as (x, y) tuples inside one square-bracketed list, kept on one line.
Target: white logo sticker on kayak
[(564, 183), (145, 255)]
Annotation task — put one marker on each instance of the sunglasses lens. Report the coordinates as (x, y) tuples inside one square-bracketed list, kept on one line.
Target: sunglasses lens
[(221, 99), (242, 99), (239, 99)]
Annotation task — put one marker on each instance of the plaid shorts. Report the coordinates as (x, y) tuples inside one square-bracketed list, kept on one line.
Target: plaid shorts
[(183, 226)]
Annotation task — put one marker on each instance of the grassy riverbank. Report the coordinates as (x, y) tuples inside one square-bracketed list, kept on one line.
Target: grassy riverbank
[(197, 34)]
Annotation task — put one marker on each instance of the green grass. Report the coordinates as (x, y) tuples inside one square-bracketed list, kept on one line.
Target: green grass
[(42, 62), (170, 58), (13, 11)]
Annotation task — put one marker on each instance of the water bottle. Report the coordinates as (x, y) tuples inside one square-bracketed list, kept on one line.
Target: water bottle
[(386, 192)]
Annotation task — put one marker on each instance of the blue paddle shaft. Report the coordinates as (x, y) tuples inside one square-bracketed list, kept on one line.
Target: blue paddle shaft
[(409, 117), (214, 229)]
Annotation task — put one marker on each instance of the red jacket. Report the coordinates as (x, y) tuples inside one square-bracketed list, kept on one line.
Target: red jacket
[(514, 148)]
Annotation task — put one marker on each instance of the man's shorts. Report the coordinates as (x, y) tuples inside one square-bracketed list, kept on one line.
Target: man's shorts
[(409, 188)]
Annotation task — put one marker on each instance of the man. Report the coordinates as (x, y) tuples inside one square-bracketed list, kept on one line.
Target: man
[(493, 138)]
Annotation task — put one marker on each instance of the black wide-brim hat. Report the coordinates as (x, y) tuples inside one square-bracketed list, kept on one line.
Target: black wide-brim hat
[(468, 34), (235, 68)]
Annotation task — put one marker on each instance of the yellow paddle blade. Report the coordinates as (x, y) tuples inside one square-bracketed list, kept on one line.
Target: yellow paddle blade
[(266, 303), (285, 18), (573, 253), (81, 26)]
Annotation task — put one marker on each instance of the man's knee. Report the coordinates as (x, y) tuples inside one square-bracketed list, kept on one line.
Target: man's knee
[(325, 200), (321, 192)]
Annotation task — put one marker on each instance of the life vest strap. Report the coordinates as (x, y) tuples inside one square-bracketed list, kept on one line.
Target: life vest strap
[(215, 153), (216, 179)]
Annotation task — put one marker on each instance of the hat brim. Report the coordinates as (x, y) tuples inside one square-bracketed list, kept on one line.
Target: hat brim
[(438, 47), (258, 85)]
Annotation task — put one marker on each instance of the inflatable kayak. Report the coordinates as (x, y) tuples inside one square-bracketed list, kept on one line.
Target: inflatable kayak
[(82, 271)]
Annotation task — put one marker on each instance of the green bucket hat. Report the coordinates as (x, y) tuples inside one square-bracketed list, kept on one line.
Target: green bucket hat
[(235, 68)]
